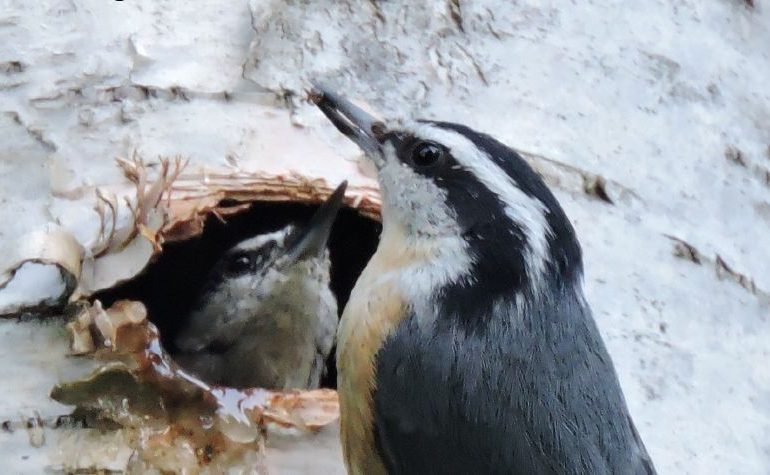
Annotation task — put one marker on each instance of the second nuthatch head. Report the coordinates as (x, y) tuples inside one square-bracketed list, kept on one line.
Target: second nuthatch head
[(267, 316)]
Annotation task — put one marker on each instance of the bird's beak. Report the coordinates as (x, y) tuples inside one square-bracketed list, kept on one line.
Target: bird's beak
[(351, 120), (310, 240)]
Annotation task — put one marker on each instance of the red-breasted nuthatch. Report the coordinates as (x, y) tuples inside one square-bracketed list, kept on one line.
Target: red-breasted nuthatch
[(467, 345), (267, 317)]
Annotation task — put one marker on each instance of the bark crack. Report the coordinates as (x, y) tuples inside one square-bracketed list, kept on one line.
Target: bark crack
[(33, 132), (724, 271)]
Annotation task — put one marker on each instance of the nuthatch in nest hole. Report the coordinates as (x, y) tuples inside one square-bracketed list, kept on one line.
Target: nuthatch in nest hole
[(467, 345), (267, 317)]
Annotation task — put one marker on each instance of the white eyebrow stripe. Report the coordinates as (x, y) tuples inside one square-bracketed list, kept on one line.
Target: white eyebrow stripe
[(258, 241), (526, 211)]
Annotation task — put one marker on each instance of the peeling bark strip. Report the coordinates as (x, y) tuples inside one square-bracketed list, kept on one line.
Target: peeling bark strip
[(35, 133), (12, 67), (596, 187), (736, 156), (573, 179), (53, 247), (684, 250), (149, 194), (724, 271), (456, 14)]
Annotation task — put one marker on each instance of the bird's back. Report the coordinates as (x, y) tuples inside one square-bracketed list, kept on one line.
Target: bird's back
[(532, 393)]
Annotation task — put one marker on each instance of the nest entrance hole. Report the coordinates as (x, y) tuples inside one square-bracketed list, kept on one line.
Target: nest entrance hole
[(169, 285)]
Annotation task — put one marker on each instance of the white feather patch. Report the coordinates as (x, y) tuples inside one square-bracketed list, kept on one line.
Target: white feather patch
[(420, 235), (258, 241), (527, 212)]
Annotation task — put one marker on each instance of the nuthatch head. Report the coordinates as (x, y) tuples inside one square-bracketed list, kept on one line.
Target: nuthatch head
[(267, 317), (467, 345)]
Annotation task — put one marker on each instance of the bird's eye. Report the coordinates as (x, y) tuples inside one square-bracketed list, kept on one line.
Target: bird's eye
[(238, 264), (426, 154)]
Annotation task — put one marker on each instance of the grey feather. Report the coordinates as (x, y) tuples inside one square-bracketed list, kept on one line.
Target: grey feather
[(543, 399)]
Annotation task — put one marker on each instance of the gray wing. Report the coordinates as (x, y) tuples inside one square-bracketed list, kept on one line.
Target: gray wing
[(207, 327), (529, 394)]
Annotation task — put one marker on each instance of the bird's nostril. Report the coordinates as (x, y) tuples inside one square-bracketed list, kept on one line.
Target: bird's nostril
[(378, 129)]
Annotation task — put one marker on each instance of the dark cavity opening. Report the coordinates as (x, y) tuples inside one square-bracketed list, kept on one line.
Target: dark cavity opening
[(172, 281)]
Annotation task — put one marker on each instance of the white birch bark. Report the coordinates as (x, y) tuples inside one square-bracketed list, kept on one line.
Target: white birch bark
[(663, 107)]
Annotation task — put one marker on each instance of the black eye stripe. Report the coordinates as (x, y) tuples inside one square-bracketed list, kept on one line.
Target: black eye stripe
[(242, 262), (238, 263), (424, 156), (563, 246)]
